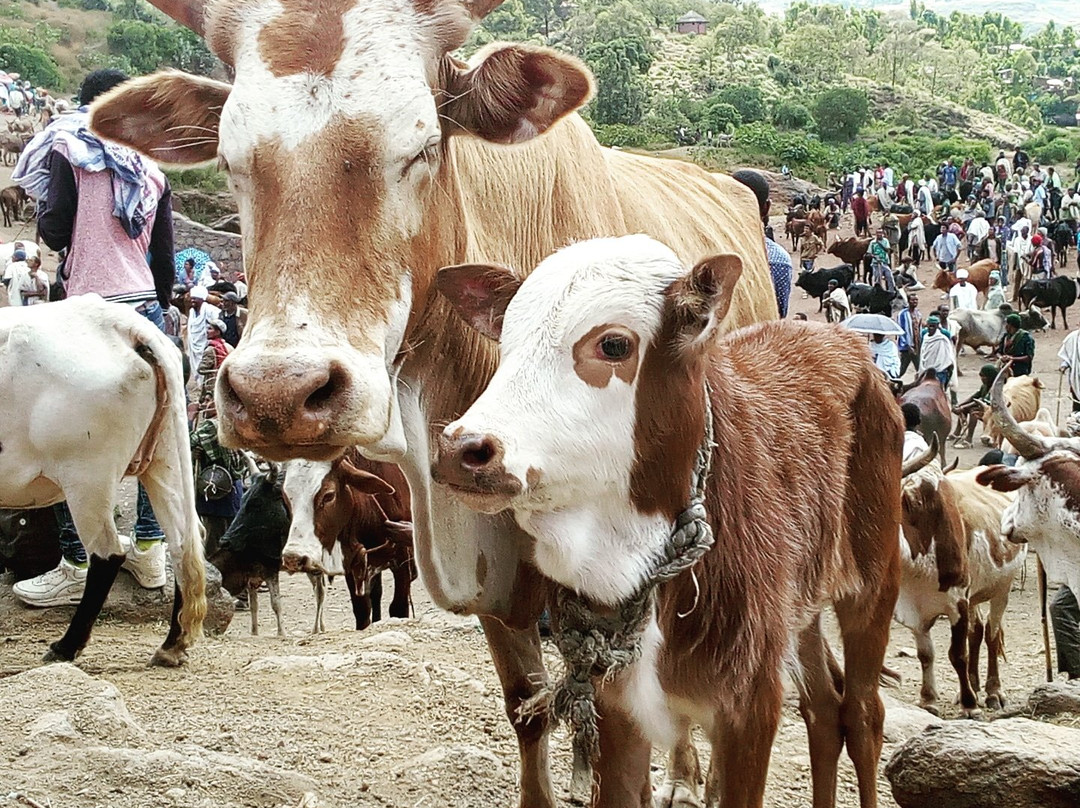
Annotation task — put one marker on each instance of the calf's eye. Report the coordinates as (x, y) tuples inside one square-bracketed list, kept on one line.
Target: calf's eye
[(614, 347)]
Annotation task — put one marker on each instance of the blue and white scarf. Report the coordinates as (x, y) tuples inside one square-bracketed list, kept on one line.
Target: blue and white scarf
[(133, 198)]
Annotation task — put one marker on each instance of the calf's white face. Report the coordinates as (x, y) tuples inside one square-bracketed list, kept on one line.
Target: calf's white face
[(558, 435)]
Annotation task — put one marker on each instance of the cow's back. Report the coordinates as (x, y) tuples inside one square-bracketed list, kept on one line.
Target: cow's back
[(524, 202)]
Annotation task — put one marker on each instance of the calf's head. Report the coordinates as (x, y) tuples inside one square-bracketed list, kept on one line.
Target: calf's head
[(334, 138), (590, 426), (322, 501)]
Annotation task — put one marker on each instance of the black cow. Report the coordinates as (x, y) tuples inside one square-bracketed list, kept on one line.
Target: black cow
[(816, 283), (1056, 293), (874, 299), (1062, 237), (249, 553)]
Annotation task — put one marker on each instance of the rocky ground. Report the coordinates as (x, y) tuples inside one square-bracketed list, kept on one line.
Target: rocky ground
[(408, 714)]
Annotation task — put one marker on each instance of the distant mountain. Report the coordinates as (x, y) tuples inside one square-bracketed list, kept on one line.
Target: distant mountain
[(1034, 14)]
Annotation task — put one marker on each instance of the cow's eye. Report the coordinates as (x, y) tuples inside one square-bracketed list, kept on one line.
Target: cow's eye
[(614, 347), (426, 156), (326, 499)]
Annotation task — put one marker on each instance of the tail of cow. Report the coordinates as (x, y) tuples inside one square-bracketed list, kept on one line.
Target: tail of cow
[(172, 463)]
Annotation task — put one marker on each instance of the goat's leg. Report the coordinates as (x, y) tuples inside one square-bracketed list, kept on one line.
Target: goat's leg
[(275, 602)]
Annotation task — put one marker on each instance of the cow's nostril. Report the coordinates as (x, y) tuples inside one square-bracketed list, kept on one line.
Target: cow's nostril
[(477, 453), (324, 394)]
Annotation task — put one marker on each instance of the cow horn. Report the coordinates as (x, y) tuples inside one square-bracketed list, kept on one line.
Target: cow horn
[(189, 13), (949, 469), (253, 467), (923, 460), (478, 9), (1029, 446)]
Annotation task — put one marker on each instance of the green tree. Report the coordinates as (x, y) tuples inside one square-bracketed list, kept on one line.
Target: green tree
[(619, 67), (508, 21), (33, 64), (840, 113), (746, 99), (817, 51), (791, 115)]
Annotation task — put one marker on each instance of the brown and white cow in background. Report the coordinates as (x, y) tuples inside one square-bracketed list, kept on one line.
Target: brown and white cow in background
[(351, 517), (953, 558), (588, 433), (1022, 396), (350, 127), (1046, 511)]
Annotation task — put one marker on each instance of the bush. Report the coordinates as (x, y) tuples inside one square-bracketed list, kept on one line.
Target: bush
[(623, 135), (840, 113), (33, 64), (721, 117), (746, 99), (791, 115), (1052, 153)]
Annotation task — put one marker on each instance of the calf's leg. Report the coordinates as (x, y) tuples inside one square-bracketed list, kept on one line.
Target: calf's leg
[(819, 704), (958, 656), (975, 640), (318, 584), (253, 606), (275, 602), (621, 773), (680, 788), (520, 667), (99, 580), (995, 648), (375, 596), (924, 645), (399, 606)]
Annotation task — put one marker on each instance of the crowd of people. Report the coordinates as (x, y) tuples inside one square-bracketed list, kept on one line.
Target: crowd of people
[(107, 212)]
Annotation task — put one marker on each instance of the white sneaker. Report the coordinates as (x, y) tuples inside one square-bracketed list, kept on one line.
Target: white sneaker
[(57, 587), (147, 566)]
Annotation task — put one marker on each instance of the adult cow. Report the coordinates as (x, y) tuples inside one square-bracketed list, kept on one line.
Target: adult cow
[(1055, 293), (816, 283), (979, 328), (352, 129), (1062, 236), (1023, 398), (613, 342), (853, 251), (936, 414), (978, 276)]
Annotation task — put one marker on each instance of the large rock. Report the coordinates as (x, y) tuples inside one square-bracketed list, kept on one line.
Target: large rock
[(129, 603), (1054, 698), (903, 721), (1013, 762)]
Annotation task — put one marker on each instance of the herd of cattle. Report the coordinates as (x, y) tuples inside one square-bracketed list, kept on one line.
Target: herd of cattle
[(546, 434)]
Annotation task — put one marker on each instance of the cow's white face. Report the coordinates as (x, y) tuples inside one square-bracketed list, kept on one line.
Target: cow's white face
[(559, 434), (334, 137)]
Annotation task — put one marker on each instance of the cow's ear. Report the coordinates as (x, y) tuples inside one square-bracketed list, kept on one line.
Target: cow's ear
[(363, 481), (479, 293), (702, 298), (512, 93), (171, 117)]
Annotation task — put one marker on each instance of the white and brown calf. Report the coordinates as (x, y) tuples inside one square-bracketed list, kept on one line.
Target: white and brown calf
[(954, 558), (588, 432)]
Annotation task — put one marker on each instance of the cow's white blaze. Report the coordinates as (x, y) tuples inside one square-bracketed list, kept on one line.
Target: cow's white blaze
[(303, 479), (570, 443)]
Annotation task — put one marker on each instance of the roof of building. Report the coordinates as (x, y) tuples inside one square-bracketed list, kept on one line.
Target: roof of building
[(690, 16)]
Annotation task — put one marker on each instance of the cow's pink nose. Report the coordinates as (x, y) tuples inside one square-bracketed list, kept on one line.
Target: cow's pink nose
[(473, 463), (286, 400)]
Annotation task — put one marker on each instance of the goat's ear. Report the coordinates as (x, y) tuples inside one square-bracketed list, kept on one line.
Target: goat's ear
[(702, 298), (479, 293), (363, 481), (512, 93), (170, 117)]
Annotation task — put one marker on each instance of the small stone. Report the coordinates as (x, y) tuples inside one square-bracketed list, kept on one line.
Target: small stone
[(1054, 698), (326, 757)]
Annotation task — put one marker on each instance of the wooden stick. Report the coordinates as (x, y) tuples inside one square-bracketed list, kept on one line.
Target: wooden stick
[(1057, 417), (1045, 620)]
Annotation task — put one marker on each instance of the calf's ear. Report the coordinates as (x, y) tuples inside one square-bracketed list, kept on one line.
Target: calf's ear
[(512, 93), (170, 117), (702, 298), (363, 481), (479, 293)]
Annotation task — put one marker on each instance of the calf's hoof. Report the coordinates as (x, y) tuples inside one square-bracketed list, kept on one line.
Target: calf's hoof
[(931, 707), (58, 653), (995, 701), (168, 658), (676, 794)]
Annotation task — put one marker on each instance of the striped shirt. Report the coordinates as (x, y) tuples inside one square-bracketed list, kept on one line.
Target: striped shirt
[(781, 269)]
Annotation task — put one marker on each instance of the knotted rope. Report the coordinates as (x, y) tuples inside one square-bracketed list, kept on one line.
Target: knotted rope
[(596, 645)]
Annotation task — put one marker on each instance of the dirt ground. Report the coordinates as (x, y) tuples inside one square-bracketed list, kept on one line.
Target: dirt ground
[(408, 714)]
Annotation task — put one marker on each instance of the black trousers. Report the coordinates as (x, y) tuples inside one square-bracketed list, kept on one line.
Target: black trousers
[(1065, 617)]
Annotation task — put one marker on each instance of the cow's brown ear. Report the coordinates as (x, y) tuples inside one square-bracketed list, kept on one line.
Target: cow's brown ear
[(171, 117), (479, 293), (363, 481), (703, 297), (512, 93)]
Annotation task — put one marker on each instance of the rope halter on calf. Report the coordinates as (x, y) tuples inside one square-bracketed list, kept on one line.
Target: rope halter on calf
[(594, 644)]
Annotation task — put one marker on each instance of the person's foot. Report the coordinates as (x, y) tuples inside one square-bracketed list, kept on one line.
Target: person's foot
[(146, 566), (57, 587)]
